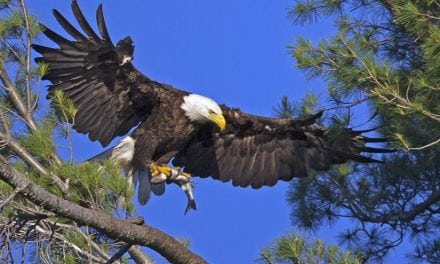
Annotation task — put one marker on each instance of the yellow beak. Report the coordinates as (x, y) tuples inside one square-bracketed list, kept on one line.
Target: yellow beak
[(219, 120)]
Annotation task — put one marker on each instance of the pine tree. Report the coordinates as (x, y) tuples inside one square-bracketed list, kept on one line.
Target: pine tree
[(383, 61), (296, 250), (53, 210)]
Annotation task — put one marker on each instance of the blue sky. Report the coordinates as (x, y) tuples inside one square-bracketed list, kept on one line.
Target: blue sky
[(236, 53)]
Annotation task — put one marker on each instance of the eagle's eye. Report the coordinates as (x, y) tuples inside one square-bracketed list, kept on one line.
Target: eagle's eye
[(211, 112)]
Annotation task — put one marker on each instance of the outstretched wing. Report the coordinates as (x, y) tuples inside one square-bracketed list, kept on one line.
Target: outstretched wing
[(111, 96), (260, 151)]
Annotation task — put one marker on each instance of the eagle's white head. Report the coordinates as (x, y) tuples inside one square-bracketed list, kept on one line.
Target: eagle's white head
[(201, 109)]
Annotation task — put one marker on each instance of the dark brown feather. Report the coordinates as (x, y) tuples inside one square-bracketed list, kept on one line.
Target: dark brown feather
[(257, 151), (68, 27), (83, 22), (111, 96), (101, 24)]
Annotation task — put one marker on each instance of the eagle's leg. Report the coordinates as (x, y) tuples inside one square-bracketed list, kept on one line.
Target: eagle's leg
[(164, 172)]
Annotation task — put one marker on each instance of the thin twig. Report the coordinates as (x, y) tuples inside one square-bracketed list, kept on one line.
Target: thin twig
[(425, 146), (11, 49), (4, 124), (12, 196), (70, 244), (13, 113), (401, 102), (16, 100), (28, 54), (95, 246), (266, 257), (31, 161), (23, 154)]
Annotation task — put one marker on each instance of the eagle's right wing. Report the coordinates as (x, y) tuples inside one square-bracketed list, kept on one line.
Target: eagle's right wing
[(111, 96)]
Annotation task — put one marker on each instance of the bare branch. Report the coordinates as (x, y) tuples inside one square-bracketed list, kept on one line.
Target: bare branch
[(425, 146), (75, 228), (145, 235), (72, 245), (4, 124), (139, 256), (23, 154), (17, 100), (28, 55)]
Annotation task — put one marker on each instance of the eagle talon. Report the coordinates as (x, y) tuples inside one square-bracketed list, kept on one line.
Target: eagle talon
[(156, 170), (183, 176), (161, 173)]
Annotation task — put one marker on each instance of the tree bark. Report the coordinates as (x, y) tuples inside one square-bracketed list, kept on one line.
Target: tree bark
[(138, 256), (167, 246)]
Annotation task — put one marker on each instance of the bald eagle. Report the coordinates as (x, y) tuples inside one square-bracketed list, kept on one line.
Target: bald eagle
[(201, 138)]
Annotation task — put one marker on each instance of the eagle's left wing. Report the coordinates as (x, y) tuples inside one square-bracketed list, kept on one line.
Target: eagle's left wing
[(260, 151)]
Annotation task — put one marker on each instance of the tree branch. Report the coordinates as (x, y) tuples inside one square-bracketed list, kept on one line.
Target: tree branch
[(145, 235), (16, 100), (28, 55), (139, 256), (10, 197), (72, 245), (75, 228), (404, 216), (23, 154), (425, 146), (31, 161)]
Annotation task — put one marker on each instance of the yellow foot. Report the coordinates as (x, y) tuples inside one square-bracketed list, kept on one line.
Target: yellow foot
[(163, 172), (156, 170)]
